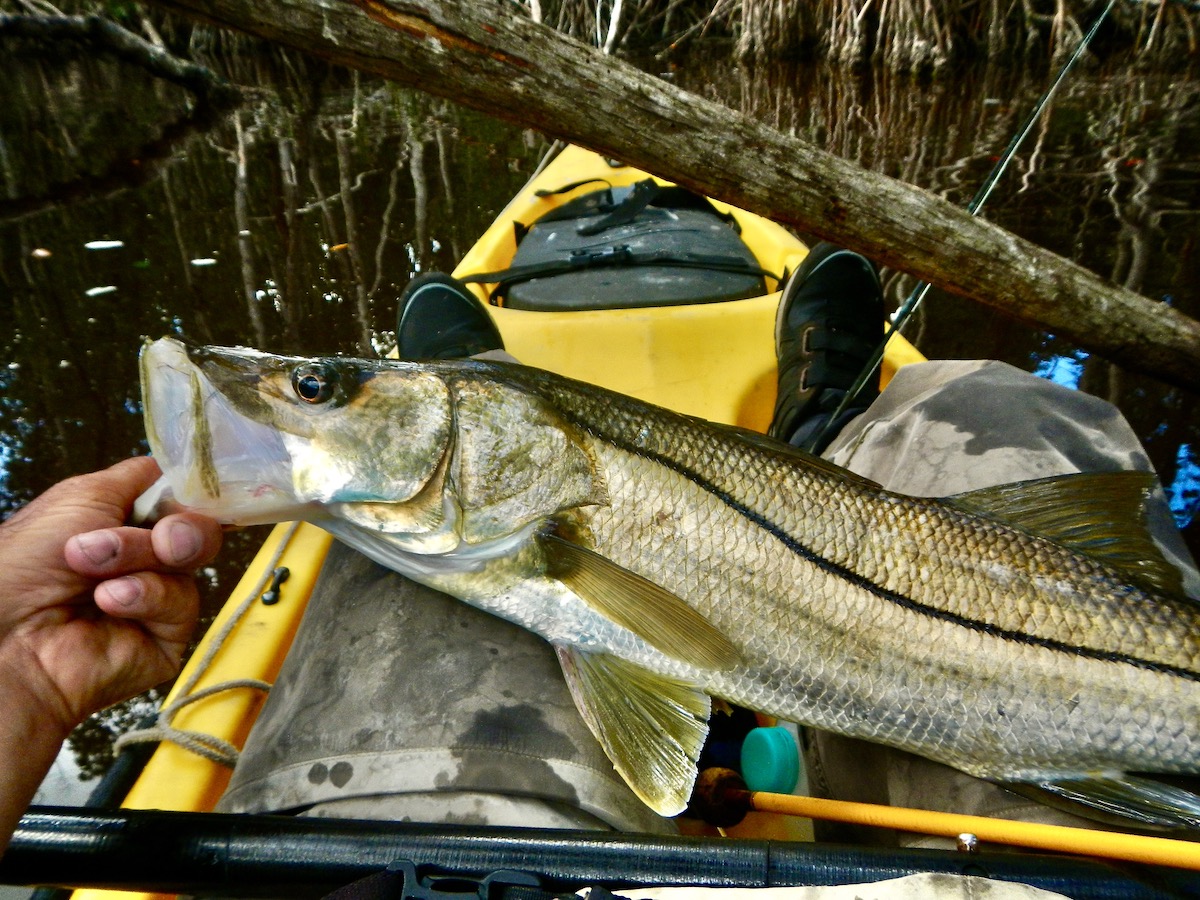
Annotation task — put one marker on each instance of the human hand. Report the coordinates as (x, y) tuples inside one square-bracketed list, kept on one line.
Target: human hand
[(93, 611)]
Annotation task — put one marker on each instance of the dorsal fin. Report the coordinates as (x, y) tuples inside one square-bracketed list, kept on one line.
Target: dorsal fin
[(1100, 514)]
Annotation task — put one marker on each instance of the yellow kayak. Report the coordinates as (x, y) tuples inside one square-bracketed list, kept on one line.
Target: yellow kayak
[(711, 359), (707, 350)]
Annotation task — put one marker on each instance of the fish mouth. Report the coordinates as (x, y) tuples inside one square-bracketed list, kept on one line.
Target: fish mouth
[(214, 459)]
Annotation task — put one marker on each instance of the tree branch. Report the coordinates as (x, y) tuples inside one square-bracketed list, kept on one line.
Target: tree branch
[(486, 56)]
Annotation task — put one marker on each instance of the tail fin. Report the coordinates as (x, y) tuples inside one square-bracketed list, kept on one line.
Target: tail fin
[(1128, 799)]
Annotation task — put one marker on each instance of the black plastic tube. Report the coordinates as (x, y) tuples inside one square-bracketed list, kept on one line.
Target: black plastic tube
[(112, 789), (274, 856)]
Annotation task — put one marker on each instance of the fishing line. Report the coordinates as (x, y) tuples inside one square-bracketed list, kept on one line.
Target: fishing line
[(904, 313)]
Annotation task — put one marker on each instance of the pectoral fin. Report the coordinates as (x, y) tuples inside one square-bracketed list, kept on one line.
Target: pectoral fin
[(1149, 803), (652, 728), (651, 612)]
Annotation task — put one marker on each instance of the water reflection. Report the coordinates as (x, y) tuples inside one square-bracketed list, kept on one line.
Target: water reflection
[(290, 226), (1183, 492), (1107, 179), (294, 224), (1064, 370)]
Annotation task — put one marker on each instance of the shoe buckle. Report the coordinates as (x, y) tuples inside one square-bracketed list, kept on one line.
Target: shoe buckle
[(804, 386), (804, 340)]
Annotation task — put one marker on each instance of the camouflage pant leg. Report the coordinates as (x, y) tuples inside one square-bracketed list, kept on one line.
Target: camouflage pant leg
[(944, 428)]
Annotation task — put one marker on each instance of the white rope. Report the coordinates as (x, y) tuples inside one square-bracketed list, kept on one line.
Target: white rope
[(209, 746)]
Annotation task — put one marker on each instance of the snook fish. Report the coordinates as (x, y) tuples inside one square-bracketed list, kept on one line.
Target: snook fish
[(1028, 633)]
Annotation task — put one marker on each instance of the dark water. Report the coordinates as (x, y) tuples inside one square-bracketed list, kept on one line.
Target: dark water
[(293, 224)]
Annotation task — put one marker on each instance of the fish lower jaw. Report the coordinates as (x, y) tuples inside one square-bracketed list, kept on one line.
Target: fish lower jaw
[(237, 503)]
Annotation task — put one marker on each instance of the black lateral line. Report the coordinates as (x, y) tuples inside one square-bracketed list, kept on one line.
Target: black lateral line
[(900, 600)]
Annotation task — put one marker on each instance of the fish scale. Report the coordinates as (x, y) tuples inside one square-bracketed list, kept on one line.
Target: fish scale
[(1151, 626), (773, 685), (669, 560), (1134, 622)]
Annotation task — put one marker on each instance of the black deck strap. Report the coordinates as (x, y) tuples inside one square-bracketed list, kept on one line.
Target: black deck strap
[(636, 198), (592, 203), (609, 257), (651, 193), (543, 192), (643, 194)]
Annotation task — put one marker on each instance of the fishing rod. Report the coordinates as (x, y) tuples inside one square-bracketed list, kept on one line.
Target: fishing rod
[(906, 310)]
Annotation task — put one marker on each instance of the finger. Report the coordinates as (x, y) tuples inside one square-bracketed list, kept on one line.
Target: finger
[(119, 485), (177, 543), (134, 475), (130, 478), (166, 605), (186, 540), (108, 552)]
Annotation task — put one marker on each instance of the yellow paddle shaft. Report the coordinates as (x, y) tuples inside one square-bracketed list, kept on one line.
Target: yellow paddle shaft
[(1085, 841)]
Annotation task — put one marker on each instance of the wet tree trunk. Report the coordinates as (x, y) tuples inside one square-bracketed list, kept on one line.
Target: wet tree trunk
[(488, 57)]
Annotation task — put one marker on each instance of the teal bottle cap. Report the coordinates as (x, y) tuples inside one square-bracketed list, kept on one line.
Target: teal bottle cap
[(771, 760)]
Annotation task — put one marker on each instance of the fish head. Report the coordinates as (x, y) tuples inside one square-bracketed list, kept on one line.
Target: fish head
[(250, 437)]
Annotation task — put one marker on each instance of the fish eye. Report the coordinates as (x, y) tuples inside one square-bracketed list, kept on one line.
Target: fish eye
[(314, 382)]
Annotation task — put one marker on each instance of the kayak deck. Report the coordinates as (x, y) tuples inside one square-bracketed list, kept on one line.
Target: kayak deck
[(712, 360)]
